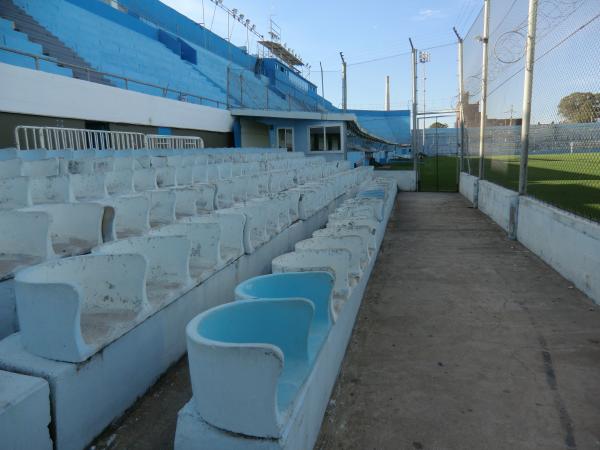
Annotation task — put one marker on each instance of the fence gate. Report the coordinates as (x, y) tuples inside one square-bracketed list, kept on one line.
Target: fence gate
[(438, 160)]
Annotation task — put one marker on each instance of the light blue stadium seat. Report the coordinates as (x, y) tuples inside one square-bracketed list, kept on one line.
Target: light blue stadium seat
[(252, 354), (314, 286)]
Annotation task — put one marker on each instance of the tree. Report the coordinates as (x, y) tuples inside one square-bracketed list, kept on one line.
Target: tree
[(438, 125), (580, 107)]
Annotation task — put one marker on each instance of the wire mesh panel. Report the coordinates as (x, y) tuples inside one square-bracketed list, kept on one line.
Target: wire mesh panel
[(472, 95), (564, 155), (506, 62)]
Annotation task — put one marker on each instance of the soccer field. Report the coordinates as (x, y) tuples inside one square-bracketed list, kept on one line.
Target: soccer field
[(568, 181)]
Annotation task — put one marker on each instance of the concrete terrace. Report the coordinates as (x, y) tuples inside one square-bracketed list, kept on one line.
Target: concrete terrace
[(464, 340)]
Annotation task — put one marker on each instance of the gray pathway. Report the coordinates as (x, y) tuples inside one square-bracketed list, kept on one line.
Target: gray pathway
[(466, 340)]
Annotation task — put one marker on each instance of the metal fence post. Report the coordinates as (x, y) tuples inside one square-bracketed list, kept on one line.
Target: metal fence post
[(484, 84), (228, 93), (527, 91), (414, 107), (461, 123)]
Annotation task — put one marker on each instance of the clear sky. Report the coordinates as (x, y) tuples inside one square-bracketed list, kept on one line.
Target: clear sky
[(377, 30), (374, 38)]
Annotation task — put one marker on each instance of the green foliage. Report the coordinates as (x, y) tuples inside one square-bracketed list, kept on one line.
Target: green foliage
[(438, 125), (580, 107)]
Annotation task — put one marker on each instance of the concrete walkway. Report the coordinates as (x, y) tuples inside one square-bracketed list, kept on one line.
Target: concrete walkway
[(466, 340)]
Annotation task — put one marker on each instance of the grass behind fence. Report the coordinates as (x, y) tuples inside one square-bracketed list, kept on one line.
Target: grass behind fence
[(568, 181)]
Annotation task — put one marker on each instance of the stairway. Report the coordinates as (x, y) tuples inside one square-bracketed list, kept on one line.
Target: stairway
[(52, 46)]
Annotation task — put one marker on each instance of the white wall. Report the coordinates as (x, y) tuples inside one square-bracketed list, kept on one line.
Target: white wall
[(570, 244), (405, 179), (499, 204), (468, 187), (27, 91)]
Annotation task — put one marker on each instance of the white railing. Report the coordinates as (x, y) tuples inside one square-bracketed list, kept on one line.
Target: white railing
[(56, 138), (156, 141)]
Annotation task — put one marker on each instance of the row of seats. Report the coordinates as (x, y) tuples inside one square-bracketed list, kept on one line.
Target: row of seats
[(149, 243), (110, 47), (11, 38), (81, 203), (249, 359)]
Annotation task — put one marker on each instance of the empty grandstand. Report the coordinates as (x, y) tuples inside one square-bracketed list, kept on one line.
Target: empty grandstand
[(188, 229)]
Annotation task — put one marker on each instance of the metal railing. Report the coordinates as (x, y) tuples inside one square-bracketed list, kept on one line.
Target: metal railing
[(156, 141), (55, 138), (128, 82)]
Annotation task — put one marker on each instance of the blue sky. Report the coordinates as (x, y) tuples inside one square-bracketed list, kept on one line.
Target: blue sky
[(319, 30), (374, 38)]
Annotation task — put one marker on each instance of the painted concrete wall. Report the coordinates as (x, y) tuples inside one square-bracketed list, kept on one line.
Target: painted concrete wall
[(499, 204), (254, 134), (570, 244), (468, 187), (405, 179), (26, 91)]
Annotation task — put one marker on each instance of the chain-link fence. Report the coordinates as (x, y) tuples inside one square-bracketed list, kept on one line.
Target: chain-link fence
[(564, 140)]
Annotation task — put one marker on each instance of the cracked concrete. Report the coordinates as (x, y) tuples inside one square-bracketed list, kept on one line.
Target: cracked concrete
[(465, 340)]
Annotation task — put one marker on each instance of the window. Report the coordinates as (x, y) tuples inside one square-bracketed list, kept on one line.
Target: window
[(285, 138), (326, 139)]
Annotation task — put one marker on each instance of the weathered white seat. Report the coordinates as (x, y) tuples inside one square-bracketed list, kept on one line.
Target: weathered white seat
[(200, 173), (195, 199), (225, 170), (166, 176), (376, 205), (354, 222), (24, 240), (10, 168), (184, 175), (240, 188), (364, 211), (88, 186), (204, 237), (14, 193), (84, 166), (252, 186), (334, 261), (224, 196), (144, 179), (104, 165), (353, 244), (40, 167), (71, 308), (367, 237), (132, 214), (77, 227), (53, 189), (119, 182), (123, 163), (212, 173), (168, 259), (162, 206), (274, 211), (232, 224), (256, 230)]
